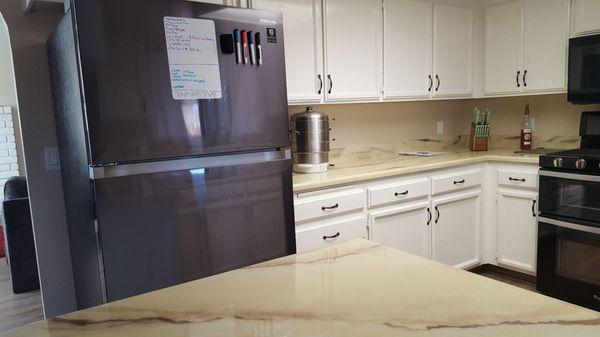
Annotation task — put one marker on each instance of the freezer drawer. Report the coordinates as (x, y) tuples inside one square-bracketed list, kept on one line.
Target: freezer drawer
[(162, 229)]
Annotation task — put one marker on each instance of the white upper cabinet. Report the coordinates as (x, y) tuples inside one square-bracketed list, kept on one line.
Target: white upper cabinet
[(353, 50), (303, 47), (503, 48), (586, 17), (526, 47), (546, 37), (408, 49), (452, 51)]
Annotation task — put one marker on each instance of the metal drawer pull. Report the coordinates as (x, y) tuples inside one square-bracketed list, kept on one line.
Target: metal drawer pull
[(330, 207), (516, 179), (459, 182), (329, 237), (399, 194), (533, 208)]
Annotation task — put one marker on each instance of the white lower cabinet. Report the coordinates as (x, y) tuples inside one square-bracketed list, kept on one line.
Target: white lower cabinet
[(455, 228), (517, 229), (404, 227), (330, 232)]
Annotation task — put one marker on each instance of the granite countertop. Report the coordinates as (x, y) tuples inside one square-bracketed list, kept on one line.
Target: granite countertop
[(356, 167), (354, 289)]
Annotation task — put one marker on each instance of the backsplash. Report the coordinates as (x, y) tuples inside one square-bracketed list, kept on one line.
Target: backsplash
[(413, 125)]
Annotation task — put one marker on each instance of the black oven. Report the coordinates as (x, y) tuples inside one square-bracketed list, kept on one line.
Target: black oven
[(569, 260), (584, 70), (568, 264)]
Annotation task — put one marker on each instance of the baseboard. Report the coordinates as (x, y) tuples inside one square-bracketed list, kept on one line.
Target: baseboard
[(504, 271)]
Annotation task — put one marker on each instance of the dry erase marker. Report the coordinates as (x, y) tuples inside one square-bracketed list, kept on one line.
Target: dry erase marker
[(245, 46), (252, 50), (259, 54), (237, 37)]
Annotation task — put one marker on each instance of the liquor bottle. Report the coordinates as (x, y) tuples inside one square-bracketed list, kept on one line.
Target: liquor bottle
[(526, 139)]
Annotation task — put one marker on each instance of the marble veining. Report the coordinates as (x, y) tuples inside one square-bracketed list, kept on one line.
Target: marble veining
[(376, 161), (354, 289)]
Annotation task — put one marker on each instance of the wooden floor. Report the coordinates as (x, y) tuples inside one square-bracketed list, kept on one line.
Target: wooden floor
[(16, 310), (503, 277)]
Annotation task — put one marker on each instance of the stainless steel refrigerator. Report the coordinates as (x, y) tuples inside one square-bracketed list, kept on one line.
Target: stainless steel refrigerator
[(172, 119)]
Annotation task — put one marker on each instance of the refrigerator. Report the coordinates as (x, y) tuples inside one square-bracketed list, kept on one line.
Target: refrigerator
[(172, 125)]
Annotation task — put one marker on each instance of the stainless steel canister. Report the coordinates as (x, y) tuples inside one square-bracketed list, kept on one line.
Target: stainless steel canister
[(310, 141)]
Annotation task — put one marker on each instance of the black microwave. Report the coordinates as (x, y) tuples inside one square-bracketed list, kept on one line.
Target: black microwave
[(584, 70)]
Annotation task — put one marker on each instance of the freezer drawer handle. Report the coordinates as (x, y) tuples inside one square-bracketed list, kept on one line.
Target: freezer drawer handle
[(516, 179), (330, 207), (330, 237), (403, 193), (596, 297), (459, 182)]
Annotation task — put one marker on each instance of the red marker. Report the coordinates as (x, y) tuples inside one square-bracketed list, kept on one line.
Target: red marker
[(245, 46)]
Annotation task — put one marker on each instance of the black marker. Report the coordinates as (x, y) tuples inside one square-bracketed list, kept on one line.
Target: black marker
[(259, 54), (252, 49)]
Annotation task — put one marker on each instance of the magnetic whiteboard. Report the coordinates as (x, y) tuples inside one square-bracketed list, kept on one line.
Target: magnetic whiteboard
[(193, 58)]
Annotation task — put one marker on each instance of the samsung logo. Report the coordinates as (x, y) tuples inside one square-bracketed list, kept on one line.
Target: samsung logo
[(268, 21)]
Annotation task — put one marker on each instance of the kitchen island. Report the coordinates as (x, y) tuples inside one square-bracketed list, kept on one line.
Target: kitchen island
[(355, 289)]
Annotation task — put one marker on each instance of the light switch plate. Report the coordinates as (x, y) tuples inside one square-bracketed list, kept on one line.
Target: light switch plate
[(52, 157), (440, 127)]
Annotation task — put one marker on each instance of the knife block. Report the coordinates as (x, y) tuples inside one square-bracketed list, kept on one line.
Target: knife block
[(477, 143)]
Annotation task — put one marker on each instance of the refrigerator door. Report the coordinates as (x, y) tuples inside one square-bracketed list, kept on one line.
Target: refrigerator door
[(162, 229), (135, 109)]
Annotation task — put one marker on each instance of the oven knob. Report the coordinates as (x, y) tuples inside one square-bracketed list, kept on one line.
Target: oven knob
[(558, 162), (580, 164)]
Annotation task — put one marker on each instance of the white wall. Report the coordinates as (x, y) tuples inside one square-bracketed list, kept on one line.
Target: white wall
[(28, 35)]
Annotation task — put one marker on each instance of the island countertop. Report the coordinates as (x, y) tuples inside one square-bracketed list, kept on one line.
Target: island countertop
[(354, 289)]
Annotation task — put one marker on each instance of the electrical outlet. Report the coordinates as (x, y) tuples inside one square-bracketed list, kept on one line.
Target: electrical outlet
[(52, 158), (440, 127)]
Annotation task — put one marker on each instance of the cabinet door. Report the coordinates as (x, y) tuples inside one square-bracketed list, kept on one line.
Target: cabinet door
[(353, 49), (456, 229), (546, 35), (452, 50), (403, 227), (503, 48), (517, 229), (303, 47), (586, 16), (408, 49)]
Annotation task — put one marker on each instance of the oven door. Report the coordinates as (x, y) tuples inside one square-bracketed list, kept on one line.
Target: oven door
[(569, 261), (584, 70), (569, 195)]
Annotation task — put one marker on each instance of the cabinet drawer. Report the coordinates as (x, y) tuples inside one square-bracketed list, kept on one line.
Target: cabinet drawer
[(323, 205), (515, 178), (456, 181), (398, 191), (311, 237)]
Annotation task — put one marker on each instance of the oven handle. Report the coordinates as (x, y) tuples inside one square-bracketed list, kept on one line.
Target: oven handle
[(569, 225), (572, 176)]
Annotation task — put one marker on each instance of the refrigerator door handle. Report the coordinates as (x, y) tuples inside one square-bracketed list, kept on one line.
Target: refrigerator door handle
[(197, 163)]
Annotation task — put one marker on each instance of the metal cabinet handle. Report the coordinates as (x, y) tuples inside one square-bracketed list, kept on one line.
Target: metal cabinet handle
[(430, 83), (324, 208), (399, 194), (437, 214), (525, 78), (518, 74), (533, 208), (429, 216), (516, 179), (329, 237), (438, 83), (320, 84), (330, 84), (459, 182)]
